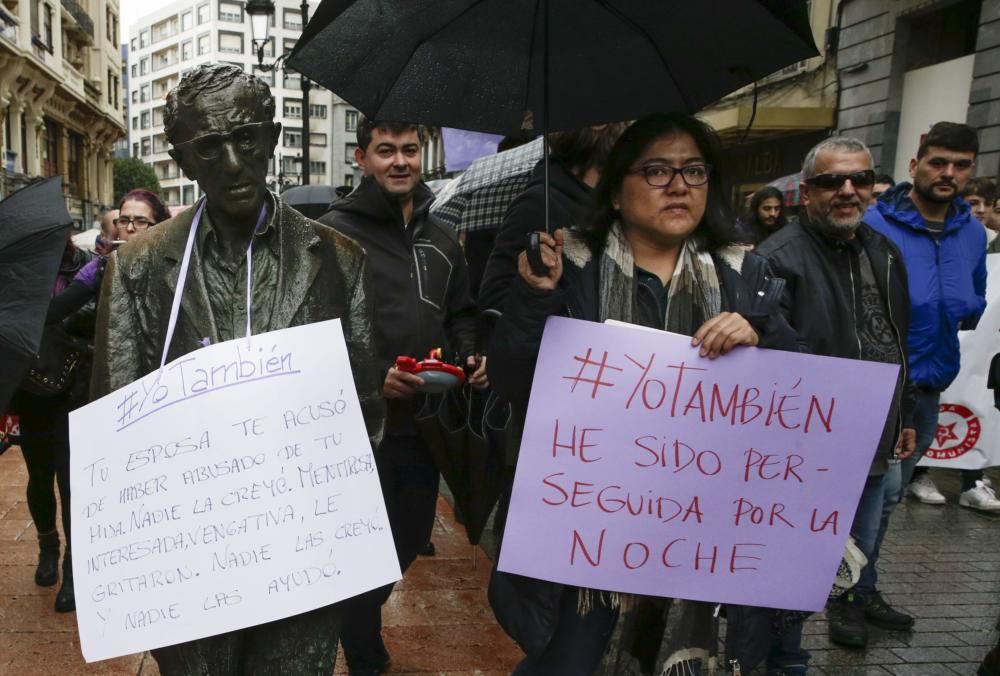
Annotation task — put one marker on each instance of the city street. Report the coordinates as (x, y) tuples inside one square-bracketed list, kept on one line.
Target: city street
[(943, 564)]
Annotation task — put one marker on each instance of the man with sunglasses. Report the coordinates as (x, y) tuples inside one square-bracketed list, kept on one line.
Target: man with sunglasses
[(945, 253), (219, 121), (846, 294)]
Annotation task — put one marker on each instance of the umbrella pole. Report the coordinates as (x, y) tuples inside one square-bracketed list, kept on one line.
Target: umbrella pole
[(475, 556), (545, 106)]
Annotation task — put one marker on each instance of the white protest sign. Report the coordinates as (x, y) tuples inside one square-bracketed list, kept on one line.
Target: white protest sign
[(968, 427), (235, 487)]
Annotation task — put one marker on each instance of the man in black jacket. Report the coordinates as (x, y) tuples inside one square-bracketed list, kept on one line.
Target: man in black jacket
[(422, 301), (846, 294)]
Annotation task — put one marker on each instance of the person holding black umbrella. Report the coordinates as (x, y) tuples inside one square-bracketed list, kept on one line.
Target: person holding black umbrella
[(658, 249), (43, 404)]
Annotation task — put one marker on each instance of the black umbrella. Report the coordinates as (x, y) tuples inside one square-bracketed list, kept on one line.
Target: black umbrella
[(312, 201), (34, 226), (465, 431), (506, 65)]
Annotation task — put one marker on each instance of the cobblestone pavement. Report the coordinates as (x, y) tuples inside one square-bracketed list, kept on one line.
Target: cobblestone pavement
[(940, 563)]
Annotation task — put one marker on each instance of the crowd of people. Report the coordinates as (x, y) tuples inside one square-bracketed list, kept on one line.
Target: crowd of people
[(640, 231)]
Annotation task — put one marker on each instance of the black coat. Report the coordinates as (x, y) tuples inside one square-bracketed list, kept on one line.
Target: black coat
[(420, 281), (819, 303), (518, 335), (527, 608), (569, 198)]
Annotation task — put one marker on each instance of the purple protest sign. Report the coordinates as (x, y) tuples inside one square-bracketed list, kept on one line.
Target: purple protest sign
[(645, 468)]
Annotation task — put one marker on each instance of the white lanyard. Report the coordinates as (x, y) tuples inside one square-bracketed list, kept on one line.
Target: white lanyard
[(182, 277)]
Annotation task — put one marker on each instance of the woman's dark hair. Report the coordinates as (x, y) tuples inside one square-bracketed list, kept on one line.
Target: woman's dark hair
[(716, 227), (160, 211), (761, 195)]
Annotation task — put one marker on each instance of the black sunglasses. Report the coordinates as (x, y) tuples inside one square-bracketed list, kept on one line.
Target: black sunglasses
[(859, 179)]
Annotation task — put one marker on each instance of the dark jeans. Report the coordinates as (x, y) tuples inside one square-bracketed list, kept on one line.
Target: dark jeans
[(410, 487), (45, 444), (302, 645), (578, 644), (754, 635), (865, 531)]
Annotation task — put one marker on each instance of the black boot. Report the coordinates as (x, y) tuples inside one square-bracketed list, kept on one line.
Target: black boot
[(47, 572), (65, 599), (846, 622)]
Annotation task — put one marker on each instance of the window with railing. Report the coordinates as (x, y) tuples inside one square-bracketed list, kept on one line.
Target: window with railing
[(317, 111), (293, 108), (146, 146), (290, 80), (187, 21), (292, 19), (267, 77), (204, 44), (231, 12), (143, 39), (144, 93), (74, 168), (293, 138), (51, 135), (349, 149), (144, 67), (144, 119), (187, 50), (290, 165), (204, 13), (351, 120), (317, 168), (230, 43)]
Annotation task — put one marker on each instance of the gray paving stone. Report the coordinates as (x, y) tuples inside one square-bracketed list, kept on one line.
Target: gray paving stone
[(926, 655), (920, 670)]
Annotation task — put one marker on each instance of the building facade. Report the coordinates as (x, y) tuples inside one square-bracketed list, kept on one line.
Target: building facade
[(60, 98), (166, 44), (905, 64)]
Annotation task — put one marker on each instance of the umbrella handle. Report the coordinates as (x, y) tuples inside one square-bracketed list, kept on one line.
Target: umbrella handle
[(534, 254)]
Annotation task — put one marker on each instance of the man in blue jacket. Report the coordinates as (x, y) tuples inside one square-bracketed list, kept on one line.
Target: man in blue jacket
[(944, 249)]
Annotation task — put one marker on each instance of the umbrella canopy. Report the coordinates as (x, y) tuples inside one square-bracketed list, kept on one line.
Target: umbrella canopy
[(789, 187), (480, 197), (312, 201), (484, 64), (34, 226)]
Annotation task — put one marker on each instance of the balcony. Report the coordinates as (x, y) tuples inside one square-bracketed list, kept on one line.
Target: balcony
[(8, 27), (83, 20), (73, 80)]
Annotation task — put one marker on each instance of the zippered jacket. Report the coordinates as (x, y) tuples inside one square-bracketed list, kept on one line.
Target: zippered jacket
[(821, 290), (420, 282), (947, 274)]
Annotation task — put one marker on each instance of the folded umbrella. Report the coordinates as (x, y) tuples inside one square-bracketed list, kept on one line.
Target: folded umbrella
[(34, 226), (312, 201)]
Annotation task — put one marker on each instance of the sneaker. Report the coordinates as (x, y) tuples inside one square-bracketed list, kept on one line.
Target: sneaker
[(924, 490), (879, 612), (980, 497), (846, 622)]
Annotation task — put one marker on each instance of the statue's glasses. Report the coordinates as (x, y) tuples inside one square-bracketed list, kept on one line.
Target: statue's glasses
[(245, 138)]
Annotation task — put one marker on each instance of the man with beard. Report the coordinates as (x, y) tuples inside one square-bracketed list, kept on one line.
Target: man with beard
[(945, 252), (846, 295)]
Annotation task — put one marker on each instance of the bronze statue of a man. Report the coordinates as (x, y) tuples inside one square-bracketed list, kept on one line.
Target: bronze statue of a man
[(220, 122)]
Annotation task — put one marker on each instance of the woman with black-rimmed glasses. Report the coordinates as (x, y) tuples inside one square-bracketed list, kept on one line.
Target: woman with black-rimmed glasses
[(658, 250)]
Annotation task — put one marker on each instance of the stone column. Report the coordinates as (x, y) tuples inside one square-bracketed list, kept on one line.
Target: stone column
[(35, 123)]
